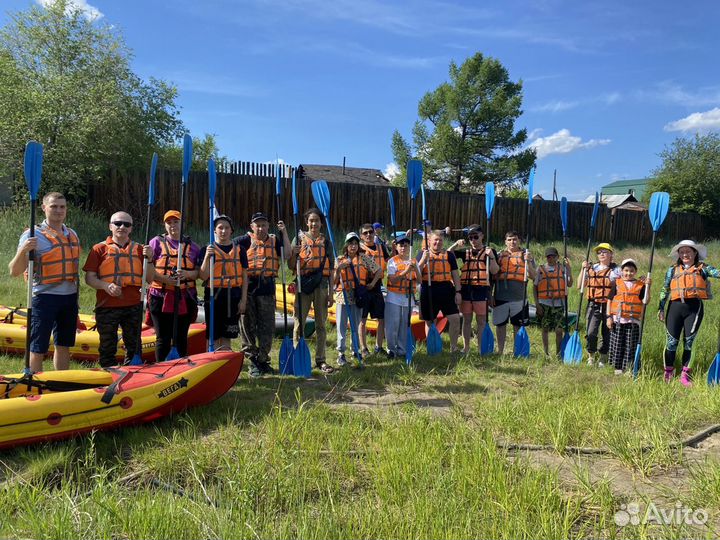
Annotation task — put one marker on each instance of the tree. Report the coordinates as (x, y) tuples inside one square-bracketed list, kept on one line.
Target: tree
[(170, 156), (66, 81), (465, 134), (690, 173)]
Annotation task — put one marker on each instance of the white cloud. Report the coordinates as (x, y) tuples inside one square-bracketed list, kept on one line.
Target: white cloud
[(391, 171), (671, 92), (563, 142), (699, 121), (91, 12), (556, 106)]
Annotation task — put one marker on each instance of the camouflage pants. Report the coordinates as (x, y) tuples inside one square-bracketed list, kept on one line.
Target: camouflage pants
[(108, 320), (257, 328)]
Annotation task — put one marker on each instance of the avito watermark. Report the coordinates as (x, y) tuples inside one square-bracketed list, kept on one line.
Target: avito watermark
[(630, 514)]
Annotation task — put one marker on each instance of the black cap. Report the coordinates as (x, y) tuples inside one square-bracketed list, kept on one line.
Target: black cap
[(257, 216), (226, 218)]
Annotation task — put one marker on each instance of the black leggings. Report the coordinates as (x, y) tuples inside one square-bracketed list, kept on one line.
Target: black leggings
[(683, 317), (163, 324)]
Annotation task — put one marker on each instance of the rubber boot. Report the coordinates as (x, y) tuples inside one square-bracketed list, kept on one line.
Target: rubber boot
[(685, 377), (669, 373)]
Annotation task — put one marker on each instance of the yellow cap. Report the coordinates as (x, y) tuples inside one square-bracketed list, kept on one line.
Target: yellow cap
[(603, 245)]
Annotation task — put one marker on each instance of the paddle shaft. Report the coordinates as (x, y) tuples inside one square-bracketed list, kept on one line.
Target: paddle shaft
[(647, 290), (565, 300), (31, 272), (410, 282), (527, 250), (180, 253), (282, 268), (211, 316), (143, 287), (582, 276)]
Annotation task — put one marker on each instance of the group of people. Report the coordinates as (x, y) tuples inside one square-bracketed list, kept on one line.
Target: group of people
[(371, 278)]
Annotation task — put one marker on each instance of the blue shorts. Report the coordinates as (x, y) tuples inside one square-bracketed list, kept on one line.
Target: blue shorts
[(56, 313)]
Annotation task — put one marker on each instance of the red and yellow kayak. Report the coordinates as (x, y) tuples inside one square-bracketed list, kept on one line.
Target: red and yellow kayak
[(61, 404), (13, 334), (416, 324)]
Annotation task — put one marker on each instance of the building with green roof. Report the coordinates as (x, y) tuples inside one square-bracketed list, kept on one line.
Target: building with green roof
[(624, 187)]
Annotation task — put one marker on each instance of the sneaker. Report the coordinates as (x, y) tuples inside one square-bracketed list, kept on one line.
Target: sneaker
[(391, 355), (685, 378), (342, 361), (590, 360), (254, 371), (266, 369), (669, 374), (603, 360), (618, 372), (380, 350)]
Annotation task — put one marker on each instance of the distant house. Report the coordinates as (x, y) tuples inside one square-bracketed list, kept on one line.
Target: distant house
[(626, 202), (338, 173), (636, 188)]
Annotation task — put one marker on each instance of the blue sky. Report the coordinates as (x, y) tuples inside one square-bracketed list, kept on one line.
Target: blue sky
[(607, 85)]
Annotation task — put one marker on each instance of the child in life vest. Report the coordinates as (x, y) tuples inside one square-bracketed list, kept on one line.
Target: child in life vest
[(551, 286), (628, 298)]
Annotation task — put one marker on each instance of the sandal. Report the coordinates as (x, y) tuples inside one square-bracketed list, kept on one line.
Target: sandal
[(326, 368)]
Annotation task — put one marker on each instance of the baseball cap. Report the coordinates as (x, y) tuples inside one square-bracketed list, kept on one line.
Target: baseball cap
[(258, 216), (628, 262), (551, 251), (378, 225), (226, 218), (402, 237), (171, 214), (603, 245), (352, 236)]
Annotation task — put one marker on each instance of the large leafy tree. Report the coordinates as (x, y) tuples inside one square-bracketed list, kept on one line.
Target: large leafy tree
[(690, 173), (465, 134), (66, 82)]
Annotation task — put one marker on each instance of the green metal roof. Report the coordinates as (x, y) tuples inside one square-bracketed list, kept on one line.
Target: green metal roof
[(622, 187)]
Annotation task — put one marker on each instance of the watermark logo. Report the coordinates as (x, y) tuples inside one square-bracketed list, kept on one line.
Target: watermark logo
[(631, 514)]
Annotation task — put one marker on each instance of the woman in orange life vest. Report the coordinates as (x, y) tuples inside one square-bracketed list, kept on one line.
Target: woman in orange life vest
[(351, 266), (399, 285), (374, 306), (445, 277), (475, 282), (598, 279), (550, 291), (229, 275), (162, 291), (312, 250), (686, 285), (627, 302), (54, 283), (115, 269)]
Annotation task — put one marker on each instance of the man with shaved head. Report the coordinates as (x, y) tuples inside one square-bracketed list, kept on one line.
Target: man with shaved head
[(115, 268)]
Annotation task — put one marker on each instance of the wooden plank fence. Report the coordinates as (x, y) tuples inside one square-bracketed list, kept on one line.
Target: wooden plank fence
[(252, 189)]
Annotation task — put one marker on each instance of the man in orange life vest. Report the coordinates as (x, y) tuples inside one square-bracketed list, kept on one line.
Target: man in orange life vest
[(373, 247), (257, 324), (54, 283), (115, 269)]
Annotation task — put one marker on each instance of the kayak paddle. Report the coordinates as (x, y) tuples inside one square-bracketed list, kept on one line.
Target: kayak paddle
[(658, 209), (434, 341), (212, 182), (487, 342), (414, 180), (573, 349), (713, 376), (563, 219), (521, 346), (137, 358), (286, 349), (300, 365), (33, 174)]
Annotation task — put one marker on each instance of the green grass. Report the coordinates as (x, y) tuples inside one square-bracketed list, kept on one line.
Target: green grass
[(387, 452)]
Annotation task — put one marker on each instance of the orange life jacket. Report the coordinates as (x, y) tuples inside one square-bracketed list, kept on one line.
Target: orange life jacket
[(439, 267), (227, 270), (62, 261), (263, 260), (474, 271), (627, 302), (512, 266), (598, 285), (121, 265), (166, 263), (551, 285), (689, 283), (347, 281), (401, 284), (313, 255), (377, 255)]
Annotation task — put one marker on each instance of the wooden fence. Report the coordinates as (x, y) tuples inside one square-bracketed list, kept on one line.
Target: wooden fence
[(253, 189)]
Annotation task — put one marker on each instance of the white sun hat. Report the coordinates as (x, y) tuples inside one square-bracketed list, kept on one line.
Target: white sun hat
[(701, 249)]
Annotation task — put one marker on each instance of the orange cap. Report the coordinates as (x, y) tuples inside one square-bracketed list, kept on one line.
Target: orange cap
[(171, 214)]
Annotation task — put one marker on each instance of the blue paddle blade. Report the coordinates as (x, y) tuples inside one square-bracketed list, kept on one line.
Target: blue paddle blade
[(414, 176), (563, 344), (153, 173), (521, 348), (301, 364), (392, 207), (321, 196), (33, 167), (596, 207), (636, 362), (714, 371), (286, 356), (409, 346), (563, 214), (573, 350), (278, 187), (434, 341), (136, 360), (531, 181), (294, 194), (489, 198), (212, 180), (487, 343), (187, 157), (658, 209), (173, 354), (424, 209)]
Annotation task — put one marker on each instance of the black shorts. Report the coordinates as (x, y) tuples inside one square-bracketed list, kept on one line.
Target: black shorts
[(375, 306), (226, 310), (443, 299), (474, 293)]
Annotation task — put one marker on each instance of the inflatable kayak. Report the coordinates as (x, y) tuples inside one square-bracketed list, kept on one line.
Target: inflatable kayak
[(61, 404), (417, 325), (13, 333)]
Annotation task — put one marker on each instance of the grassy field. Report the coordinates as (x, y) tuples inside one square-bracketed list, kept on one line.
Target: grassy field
[(431, 451)]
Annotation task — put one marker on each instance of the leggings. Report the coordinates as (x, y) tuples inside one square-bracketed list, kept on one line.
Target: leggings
[(683, 317)]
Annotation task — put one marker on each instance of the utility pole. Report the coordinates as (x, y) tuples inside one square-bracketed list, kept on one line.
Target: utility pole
[(555, 197)]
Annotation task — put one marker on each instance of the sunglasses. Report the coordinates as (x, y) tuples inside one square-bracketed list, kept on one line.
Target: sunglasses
[(474, 237), (127, 224)]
